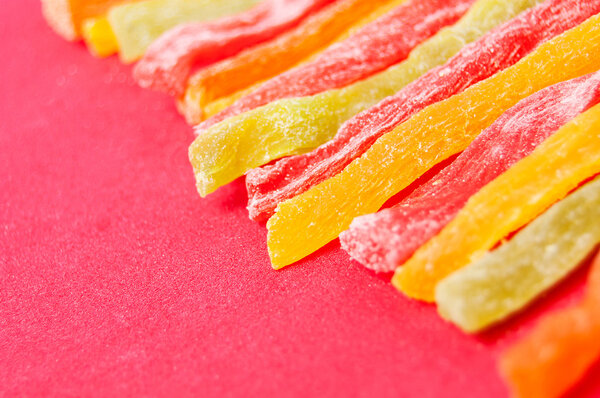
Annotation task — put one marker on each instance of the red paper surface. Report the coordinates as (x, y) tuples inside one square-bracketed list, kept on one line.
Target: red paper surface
[(116, 279)]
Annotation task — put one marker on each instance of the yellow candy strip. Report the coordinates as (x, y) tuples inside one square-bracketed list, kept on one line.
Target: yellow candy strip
[(308, 221), (131, 28), (99, 37), (543, 253), (513, 199), (230, 148)]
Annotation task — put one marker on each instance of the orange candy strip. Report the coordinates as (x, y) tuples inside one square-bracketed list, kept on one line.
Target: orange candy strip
[(66, 16), (559, 351), (261, 62)]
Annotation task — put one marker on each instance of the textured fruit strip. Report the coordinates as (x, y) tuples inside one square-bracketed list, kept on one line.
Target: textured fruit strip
[(99, 36), (227, 150), (506, 280), (273, 57), (193, 106), (131, 28), (167, 63), (308, 221), (548, 362), (554, 168), (203, 99), (66, 16), (497, 50), (138, 24), (383, 240), (380, 44)]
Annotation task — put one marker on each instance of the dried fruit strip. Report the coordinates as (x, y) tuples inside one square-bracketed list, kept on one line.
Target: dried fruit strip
[(264, 61), (66, 16), (554, 168), (497, 50), (559, 351), (192, 104), (507, 279), (380, 44), (308, 221), (169, 60), (386, 239), (138, 24), (229, 149)]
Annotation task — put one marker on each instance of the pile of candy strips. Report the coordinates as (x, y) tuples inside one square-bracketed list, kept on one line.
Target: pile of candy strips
[(453, 143)]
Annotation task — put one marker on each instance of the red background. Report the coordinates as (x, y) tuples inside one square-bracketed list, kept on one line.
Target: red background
[(116, 279)]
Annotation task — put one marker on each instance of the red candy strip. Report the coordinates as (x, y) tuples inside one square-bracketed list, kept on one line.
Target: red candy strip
[(169, 60), (559, 351), (386, 239), (380, 44), (497, 50)]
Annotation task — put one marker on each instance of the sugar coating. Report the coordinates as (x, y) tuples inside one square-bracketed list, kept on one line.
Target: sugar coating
[(138, 24), (550, 172), (230, 148), (507, 279), (226, 79), (308, 221), (169, 60), (380, 44), (290, 176), (386, 239), (495, 51)]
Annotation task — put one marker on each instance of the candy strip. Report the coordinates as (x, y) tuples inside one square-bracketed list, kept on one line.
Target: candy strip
[(497, 50), (516, 197), (231, 148), (167, 63), (380, 44), (133, 27), (138, 24), (66, 17), (563, 346), (266, 60), (308, 221), (539, 256), (383, 240)]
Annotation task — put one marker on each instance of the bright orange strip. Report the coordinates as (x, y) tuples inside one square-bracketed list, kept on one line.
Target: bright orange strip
[(549, 361)]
